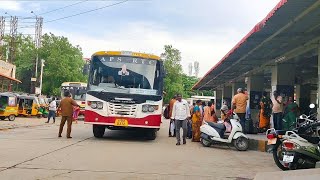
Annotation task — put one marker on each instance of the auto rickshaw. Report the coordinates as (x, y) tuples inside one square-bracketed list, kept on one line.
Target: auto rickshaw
[(8, 106), (29, 106), (44, 106)]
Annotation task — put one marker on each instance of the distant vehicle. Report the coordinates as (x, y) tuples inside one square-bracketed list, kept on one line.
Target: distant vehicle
[(29, 106), (78, 92), (205, 99), (8, 106), (125, 91)]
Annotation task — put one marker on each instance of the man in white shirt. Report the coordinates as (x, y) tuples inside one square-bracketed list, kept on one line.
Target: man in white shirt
[(180, 113), (52, 110)]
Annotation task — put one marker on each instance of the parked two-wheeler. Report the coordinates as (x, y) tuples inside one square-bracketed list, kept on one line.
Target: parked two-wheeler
[(297, 149), (215, 133)]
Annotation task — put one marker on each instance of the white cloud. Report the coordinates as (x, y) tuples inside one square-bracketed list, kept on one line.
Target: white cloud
[(10, 5), (206, 48)]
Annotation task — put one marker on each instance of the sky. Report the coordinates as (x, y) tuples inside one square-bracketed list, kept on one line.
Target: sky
[(203, 30)]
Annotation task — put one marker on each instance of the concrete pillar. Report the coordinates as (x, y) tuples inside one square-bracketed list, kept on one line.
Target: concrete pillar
[(236, 86), (283, 79), (255, 88), (227, 95), (218, 101)]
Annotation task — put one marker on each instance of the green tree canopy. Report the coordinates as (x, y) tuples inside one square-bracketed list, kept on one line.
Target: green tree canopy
[(63, 62), (173, 80)]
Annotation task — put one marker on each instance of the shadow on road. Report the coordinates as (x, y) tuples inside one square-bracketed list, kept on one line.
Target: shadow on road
[(122, 135)]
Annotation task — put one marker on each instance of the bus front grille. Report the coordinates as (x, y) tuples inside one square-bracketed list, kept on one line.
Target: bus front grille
[(122, 109)]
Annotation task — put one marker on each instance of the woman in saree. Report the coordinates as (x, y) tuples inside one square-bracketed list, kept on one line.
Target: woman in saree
[(291, 114), (196, 122), (265, 112)]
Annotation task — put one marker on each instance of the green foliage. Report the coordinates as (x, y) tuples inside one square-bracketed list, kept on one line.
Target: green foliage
[(173, 80), (63, 62)]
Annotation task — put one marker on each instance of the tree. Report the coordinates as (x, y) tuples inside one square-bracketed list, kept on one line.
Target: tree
[(173, 82), (63, 62)]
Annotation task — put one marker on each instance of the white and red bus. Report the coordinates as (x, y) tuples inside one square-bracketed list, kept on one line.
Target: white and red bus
[(124, 92)]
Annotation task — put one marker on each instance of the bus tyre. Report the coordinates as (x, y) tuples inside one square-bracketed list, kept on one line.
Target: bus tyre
[(12, 117), (98, 130), (151, 134)]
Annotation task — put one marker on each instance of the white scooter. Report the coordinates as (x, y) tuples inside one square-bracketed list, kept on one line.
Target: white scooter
[(212, 133)]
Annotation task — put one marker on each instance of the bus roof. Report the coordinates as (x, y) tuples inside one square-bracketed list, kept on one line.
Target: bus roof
[(203, 97), (127, 53), (67, 83)]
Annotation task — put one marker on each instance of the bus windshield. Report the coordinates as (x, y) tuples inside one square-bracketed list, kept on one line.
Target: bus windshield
[(125, 74)]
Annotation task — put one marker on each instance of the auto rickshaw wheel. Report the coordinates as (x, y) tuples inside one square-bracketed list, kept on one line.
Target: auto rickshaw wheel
[(12, 117)]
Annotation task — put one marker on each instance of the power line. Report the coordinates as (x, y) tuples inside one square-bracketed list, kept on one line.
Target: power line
[(110, 5), (63, 7)]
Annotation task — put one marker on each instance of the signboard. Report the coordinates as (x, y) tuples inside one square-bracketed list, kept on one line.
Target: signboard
[(7, 69)]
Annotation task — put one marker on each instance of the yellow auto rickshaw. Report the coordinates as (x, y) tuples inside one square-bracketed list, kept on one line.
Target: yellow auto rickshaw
[(8, 106), (28, 106)]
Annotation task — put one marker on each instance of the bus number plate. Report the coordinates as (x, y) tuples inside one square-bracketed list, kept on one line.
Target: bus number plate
[(121, 122)]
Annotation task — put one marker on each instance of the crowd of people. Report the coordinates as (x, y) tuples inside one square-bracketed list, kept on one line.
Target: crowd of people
[(191, 117), (283, 111)]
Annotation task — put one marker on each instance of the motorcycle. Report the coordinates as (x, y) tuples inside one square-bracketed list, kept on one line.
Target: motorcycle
[(212, 133), (297, 149)]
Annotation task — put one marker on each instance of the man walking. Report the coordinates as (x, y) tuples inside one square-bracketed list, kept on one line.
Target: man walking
[(172, 125), (52, 110), (240, 103), (66, 106), (180, 113)]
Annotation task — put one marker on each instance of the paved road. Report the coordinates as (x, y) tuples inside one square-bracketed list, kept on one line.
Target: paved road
[(36, 153)]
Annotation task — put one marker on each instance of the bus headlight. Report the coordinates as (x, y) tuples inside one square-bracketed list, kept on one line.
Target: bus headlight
[(93, 105), (151, 109), (145, 108), (99, 105)]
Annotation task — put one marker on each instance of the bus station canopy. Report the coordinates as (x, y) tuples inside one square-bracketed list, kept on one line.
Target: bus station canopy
[(292, 26)]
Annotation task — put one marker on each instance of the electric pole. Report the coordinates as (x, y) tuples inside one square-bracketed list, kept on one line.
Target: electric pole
[(13, 35), (2, 31)]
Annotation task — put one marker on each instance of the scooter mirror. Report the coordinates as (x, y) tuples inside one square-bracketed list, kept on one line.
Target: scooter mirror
[(312, 106)]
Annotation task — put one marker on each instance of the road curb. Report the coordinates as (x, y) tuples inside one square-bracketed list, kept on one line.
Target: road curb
[(258, 145)]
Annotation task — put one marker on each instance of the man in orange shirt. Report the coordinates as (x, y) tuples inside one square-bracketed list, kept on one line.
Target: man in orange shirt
[(66, 106), (240, 103), (171, 103)]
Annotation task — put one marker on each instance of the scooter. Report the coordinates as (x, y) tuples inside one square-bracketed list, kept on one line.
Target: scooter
[(212, 133), (301, 152), (297, 149)]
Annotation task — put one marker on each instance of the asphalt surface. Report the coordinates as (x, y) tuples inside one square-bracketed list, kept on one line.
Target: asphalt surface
[(35, 152)]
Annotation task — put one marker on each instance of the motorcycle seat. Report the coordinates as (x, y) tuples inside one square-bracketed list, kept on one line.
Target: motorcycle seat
[(281, 132), (310, 139), (217, 125)]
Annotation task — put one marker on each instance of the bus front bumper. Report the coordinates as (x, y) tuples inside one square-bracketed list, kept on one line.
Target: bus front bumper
[(150, 121)]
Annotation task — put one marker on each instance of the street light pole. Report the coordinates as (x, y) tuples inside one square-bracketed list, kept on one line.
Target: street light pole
[(41, 74)]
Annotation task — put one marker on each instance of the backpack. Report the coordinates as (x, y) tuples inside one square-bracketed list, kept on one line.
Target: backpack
[(166, 112)]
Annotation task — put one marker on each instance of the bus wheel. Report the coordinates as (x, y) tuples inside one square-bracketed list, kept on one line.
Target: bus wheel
[(151, 134), (98, 130), (12, 117)]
